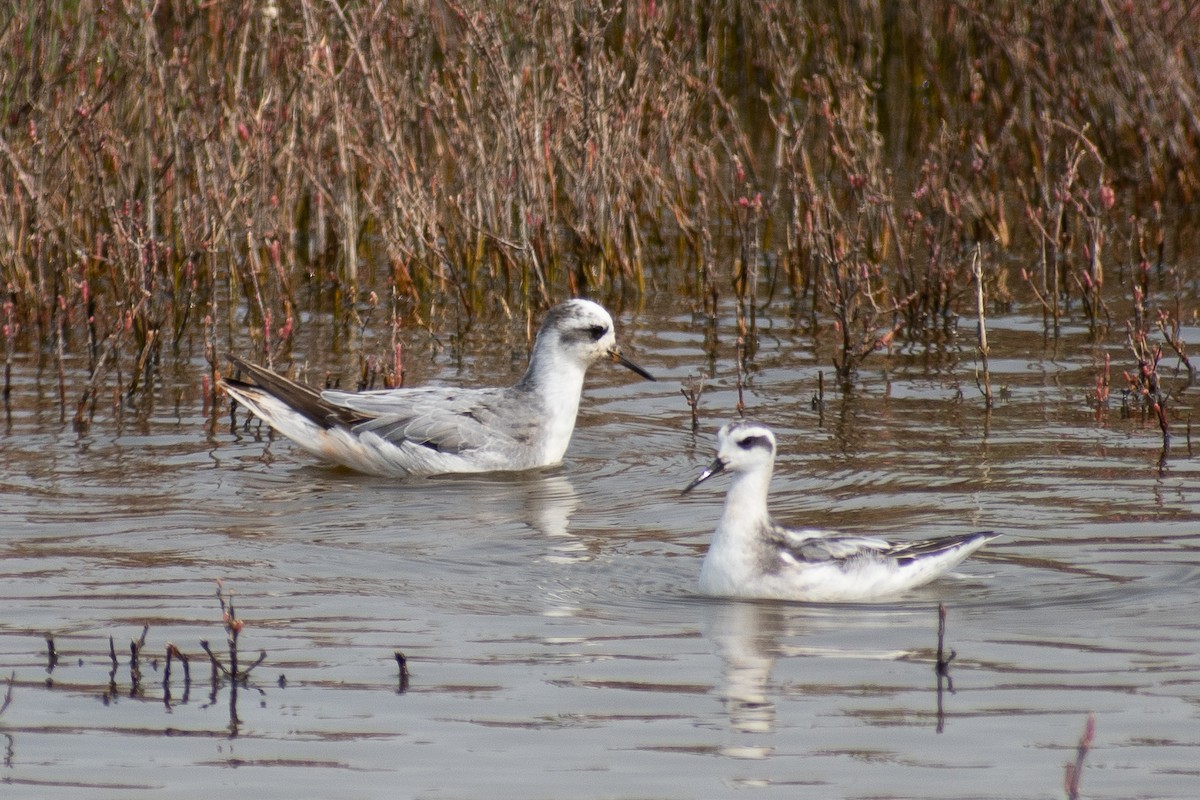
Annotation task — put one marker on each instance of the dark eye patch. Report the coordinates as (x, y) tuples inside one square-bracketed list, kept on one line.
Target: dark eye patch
[(597, 332), (751, 442)]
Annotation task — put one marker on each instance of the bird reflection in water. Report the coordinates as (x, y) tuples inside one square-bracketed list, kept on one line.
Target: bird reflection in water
[(746, 636)]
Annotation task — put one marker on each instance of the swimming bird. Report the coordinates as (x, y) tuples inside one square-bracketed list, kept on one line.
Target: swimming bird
[(752, 556), (433, 429)]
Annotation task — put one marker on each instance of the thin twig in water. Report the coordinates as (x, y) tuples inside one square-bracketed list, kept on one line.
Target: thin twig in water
[(135, 670), (1074, 771), (402, 664), (1171, 335), (691, 394), (977, 269), (233, 628), (942, 667), (135, 667), (741, 377), (51, 654), (173, 653), (8, 695), (112, 655), (943, 661)]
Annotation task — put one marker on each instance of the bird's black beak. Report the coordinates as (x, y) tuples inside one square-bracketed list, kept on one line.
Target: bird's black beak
[(716, 466), (617, 358)]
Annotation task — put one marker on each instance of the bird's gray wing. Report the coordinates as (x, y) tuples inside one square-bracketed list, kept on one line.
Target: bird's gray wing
[(812, 546), (444, 419), (927, 548)]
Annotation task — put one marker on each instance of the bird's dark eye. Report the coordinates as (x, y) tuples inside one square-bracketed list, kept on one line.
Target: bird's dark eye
[(597, 332), (751, 442)]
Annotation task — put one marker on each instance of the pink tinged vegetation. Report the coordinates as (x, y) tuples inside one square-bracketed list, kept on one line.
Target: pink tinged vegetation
[(1108, 197)]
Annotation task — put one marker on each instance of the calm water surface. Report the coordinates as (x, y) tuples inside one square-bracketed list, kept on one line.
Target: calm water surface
[(556, 645)]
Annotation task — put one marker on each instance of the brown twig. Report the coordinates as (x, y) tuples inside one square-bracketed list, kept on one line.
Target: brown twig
[(233, 629), (691, 395), (1074, 771), (1171, 335), (1146, 382), (112, 656), (741, 376), (402, 665), (8, 694), (135, 670), (981, 330), (941, 668), (51, 654), (174, 653)]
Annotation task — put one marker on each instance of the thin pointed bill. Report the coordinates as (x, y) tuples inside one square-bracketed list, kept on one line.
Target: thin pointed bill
[(712, 469), (617, 358)]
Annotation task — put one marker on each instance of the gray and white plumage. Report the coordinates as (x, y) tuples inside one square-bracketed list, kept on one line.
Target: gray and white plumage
[(434, 429), (752, 556)]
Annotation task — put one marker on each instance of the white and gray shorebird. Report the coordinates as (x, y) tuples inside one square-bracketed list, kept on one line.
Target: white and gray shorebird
[(754, 557), (434, 430)]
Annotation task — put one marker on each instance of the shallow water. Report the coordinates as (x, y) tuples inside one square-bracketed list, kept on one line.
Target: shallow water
[(555, 642)]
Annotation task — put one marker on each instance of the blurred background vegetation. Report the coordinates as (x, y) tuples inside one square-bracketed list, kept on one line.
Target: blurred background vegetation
[(185, 177)]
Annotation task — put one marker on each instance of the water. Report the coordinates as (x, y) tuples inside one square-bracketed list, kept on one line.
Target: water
[(549, 621)]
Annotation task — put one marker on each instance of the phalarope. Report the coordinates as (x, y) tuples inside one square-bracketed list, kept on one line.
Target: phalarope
[(433, 430), (752, 556)]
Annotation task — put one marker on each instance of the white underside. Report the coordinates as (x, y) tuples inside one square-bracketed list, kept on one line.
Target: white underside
[(730, 574), (365, 452)]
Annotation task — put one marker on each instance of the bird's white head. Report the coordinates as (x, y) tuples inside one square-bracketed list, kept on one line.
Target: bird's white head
[(581, 332), (742, 447)]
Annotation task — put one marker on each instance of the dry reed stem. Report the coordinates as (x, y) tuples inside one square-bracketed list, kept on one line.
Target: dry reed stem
[(1073, 772), (941, 668), (51, 654), (981, 329), (8, 693), (185, 177), (402, 666), (691, 391)]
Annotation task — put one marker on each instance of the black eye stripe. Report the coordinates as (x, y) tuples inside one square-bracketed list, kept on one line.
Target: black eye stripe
[(751, 442), (597, 332)]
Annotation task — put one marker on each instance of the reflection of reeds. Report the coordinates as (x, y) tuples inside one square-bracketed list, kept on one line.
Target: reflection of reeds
[(8, 693), (112, 673), (135, 663), (175, 654), (51, 654), (941, 668), (177, 182)]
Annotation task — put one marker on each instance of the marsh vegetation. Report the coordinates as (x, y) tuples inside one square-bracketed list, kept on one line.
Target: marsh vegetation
[(189, 178)]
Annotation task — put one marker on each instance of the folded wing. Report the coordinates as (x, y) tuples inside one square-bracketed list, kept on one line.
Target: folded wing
[(811, 546), (440, 418)]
